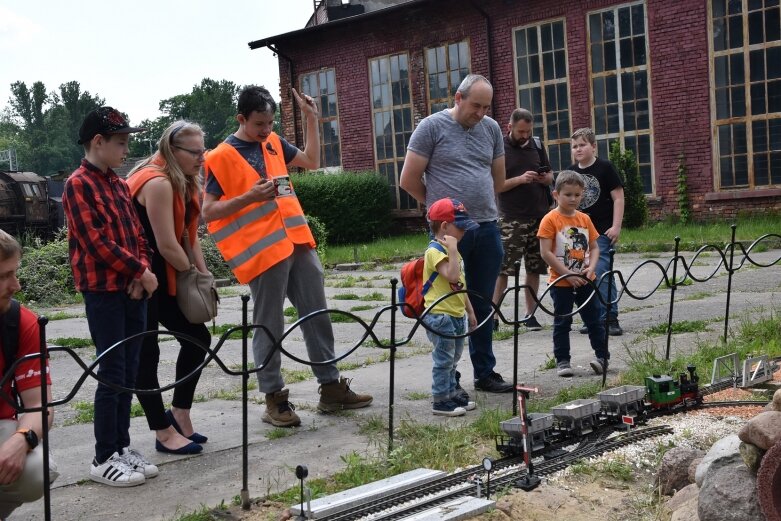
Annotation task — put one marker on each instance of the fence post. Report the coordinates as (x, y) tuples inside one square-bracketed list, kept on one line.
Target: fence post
[(392, 376), (516, 328), (244, 414), (672, 298), (47, 500), (730, 271)]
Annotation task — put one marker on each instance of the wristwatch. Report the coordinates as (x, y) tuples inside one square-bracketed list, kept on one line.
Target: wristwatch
[(30, 437)]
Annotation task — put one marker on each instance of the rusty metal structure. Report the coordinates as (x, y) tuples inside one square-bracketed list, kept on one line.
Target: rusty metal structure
[(25, 205)]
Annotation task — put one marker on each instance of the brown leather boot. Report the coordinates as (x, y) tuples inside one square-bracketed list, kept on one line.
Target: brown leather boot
[(279, 411), (338, 395)]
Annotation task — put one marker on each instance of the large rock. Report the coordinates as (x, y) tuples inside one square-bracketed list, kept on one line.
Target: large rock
[(693, 469), (752, 456), (763, 430), (725, 447), (682, 496), (777, 400), (728, 492), (769, 483), (673, 472), (687, 511)]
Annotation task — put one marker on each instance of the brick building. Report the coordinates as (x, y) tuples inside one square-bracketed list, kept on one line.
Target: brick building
[(700, 78)]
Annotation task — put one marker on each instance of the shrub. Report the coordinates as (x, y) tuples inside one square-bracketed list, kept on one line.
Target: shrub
[(353, 206), (320, 233), (635, 204), (214, 261), (45, 273)]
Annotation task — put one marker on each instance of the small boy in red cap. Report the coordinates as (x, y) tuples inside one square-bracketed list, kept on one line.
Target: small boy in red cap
[(449, 221)]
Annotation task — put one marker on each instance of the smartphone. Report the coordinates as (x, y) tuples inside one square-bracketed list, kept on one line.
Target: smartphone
[(543, 170)]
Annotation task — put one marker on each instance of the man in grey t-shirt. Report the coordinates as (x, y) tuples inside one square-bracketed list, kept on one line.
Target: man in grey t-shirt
[(459, 153)]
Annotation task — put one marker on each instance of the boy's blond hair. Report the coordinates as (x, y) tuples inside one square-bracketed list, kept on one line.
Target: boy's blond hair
[(569, 177), (9, 246), (586, 133)]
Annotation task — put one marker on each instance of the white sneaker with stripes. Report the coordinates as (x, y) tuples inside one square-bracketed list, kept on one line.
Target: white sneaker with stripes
[(139, 463), (115, 472)]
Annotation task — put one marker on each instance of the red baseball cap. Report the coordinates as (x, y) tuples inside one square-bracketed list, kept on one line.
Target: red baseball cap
[(450, 210), (106, 121)]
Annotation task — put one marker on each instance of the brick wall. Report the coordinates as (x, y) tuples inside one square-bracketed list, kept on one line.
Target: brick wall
[(678, 64)]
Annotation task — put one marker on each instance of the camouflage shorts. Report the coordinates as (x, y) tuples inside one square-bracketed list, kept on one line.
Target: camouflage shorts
[(519, 238)]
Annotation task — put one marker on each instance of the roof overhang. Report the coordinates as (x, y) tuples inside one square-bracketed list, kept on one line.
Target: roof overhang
[(272, 41)]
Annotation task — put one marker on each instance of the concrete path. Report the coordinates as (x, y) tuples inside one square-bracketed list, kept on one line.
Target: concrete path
[(187, 483)]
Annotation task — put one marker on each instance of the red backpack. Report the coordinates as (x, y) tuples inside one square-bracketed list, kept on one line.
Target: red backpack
[(412, 286)]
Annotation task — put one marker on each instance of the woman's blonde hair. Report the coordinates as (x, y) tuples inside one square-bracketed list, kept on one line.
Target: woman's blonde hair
[(172, 136)]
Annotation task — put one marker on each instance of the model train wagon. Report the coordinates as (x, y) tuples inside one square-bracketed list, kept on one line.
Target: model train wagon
[(570, 421), (25, 204)]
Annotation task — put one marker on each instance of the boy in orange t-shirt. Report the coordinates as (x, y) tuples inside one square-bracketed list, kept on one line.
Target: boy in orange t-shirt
[(568, 244)]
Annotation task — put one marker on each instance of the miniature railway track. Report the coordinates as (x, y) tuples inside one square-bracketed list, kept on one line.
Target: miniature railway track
[(404, 504), (508, 470)]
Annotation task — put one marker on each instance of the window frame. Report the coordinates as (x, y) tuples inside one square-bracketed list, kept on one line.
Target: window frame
[(748, 118), (451, 88), (542, 83), (321, 120), (398, 192), (616, 73)]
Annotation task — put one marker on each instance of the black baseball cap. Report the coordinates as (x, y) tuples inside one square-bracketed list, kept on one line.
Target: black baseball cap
[(106, 121)]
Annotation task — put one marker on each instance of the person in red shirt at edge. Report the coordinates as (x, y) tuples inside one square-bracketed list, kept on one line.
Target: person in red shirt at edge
[(110, 259), (21, 457)]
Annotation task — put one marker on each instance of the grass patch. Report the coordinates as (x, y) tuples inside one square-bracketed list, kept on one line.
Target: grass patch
[(550, 363), (85, 412), (291, 312), (278, 432), (71, 341), (373, 425), (502, 333), (292, 376), (229, 291), (381, 251), (345, 296), (362, 307), (700, 295), (375, 295), (348, 282), (417, 396), (221, 329), (617, 469), (684, 326), (337, 318), (62, 315), (349, 366)]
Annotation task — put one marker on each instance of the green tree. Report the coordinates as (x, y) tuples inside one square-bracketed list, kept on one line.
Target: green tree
[(46, 125), (635, 204), (212, 105)]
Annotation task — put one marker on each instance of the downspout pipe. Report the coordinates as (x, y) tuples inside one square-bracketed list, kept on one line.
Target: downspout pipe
[(489, 39)]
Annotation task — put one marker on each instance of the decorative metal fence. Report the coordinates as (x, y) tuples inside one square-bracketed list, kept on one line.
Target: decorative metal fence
[(674, 273)]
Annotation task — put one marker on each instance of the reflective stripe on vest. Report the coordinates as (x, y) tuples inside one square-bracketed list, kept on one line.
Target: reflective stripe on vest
[(261, 234)]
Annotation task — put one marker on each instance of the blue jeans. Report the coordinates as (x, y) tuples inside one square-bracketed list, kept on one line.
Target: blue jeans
[(446, 353), (564, 299), (603, 266), (482, 252), (113, 316)]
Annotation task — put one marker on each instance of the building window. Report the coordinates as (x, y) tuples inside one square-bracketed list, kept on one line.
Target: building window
[(321, 86), (446, 67), (620, 91), (746, 92), (392, 118), (541, 80)]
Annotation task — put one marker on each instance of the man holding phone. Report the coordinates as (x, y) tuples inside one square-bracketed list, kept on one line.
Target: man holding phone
[(523, 203), (255, 219)]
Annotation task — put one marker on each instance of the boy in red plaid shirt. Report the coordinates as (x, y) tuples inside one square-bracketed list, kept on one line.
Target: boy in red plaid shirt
[(110, 261)]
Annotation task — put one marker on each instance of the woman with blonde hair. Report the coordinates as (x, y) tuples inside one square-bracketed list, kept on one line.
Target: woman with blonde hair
[(165, 190)]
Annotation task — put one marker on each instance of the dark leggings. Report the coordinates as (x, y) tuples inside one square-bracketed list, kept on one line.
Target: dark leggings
[(163, 308)]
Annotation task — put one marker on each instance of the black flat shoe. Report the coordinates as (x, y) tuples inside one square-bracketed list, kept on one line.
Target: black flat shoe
[(190, 448), (197, 438)]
